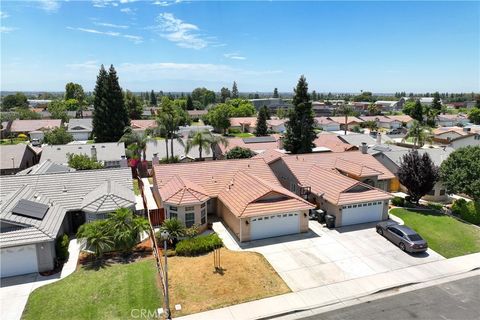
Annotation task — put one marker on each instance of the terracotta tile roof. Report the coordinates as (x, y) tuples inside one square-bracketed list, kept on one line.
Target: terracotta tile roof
[(378, 118), (356, 169), (213, 176), (263, 146), (339, 189), (332, 142), (34, 125), (246, 195), (275, 122), (143, 124), (452, 117), (403, 118), (239, 121), (300, 165), (270, 155), (442, 130), (181, 191), (350, 119), (325, 120)]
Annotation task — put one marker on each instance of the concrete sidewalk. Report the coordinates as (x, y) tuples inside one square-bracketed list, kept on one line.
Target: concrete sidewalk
[(14, 291), (342, 291)]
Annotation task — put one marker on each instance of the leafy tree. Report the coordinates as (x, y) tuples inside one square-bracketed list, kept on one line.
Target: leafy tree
[(373, 109), (133, 105), (234, 90), (204, 96), (418, 174), (240, 108), (224, 94), (83, 162), (419, 133), (417, 112), (126, 228), (436, 104), (372, 125), (110, 117), (190, 103), (57, 136), (431, 114), (275, 93), (460, 171), (17, 100), (474, 115), (347, 111), (72, 104), (58, 110), (153, 99), (27, 114), (200, 139), (240, 153), (300, 126), (262, 129), (408, 107), (282, 113), (74, 91)]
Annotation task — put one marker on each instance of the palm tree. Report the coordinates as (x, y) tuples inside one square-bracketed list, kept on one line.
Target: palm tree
[(201, 139), (372, 125), (419, 133), (136, 143), (215, 141), (98, 236), (174, 227), (347, 111), (126, 228)]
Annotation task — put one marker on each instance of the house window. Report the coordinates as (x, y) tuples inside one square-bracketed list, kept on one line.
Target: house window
[(189, 219), (189, 208), (203, 205), (442, 192), (173, 215), (173, 208), (477, 137), (204, 217)]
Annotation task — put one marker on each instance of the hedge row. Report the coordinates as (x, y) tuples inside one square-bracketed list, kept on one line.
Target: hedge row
[(198, 245), (468, 211)]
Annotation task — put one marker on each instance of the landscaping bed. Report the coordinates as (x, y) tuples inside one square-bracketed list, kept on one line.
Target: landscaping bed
[(114, 289), (446, 235)]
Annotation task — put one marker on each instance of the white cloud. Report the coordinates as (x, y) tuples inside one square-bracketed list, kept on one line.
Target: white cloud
[(234, 56), (136, 39), (182, 33), (4, 29), (127, 11), (166, 3), (3, 15), (110, 25), (49, 6), (128, 1), (87, 65), (104, 3)]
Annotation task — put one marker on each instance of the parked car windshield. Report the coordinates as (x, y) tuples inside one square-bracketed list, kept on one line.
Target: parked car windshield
[(414, 237)]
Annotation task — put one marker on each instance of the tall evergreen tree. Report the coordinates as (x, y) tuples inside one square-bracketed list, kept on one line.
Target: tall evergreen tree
[(417, 112), (189, 103), (234, 90), (110, 117), (153, 99), (275, 93), (300, 126), (314, 95), (224, 94), (262, 129), (436, 104)]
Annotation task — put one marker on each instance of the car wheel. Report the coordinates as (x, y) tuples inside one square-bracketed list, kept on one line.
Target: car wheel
[(402, 246), (380, 231)]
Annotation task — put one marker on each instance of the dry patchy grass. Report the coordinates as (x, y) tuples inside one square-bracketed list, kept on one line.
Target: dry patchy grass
[(197, 287)]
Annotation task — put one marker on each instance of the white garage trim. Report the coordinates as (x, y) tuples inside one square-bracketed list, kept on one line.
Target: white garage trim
[(275, 225), (18, 260), (362, 213)]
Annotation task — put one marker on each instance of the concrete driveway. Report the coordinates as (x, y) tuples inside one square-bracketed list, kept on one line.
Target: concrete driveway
[(323, 256)]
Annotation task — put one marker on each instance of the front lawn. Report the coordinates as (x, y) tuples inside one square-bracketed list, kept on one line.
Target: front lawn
[(136, 187), (445, 235), (112, 292), (243, 135)]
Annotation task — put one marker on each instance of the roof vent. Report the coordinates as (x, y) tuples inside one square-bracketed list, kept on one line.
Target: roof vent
[(79, 147), (103, 147), (64, 188), (59, 149)]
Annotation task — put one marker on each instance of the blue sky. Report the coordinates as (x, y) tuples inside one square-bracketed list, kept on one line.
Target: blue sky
[(180, 45)]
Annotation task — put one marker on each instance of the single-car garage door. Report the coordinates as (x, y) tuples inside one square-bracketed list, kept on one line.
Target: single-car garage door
[(362, 213), (274, 225), (18, 260)]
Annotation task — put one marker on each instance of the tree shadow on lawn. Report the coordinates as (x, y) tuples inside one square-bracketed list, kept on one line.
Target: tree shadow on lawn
[(92, 263)]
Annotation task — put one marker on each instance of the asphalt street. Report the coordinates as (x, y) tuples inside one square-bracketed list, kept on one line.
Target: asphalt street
[(458, 299)]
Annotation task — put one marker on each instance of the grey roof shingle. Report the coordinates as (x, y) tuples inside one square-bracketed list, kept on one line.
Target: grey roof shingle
[(16, 151), (46, 166), (107, 197), (82, 124), (111, 151)]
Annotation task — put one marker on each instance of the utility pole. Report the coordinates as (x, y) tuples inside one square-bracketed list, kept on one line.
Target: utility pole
[(166, 236)]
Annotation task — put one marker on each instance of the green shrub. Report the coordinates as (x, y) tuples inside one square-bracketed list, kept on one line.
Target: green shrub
[(398, 202), (468, 211), (198, 245), (61, 247), (435, 206), (234, 131)]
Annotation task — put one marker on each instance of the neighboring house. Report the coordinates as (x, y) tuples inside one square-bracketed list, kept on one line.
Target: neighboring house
[(406, 120), (427, 101), (327, 124), (111, 154), (17, 157), (35, 210), (196, 115), (391, 157), (38, 103), (357, 139), (322, 109), (272, 104), (244, 193), (450, 120), (350, 185), (457, 137), (43, 112), (256, 144), (46, 166), (361, 106), (142, 126), (80, 129), (249, 124), (158, 148), (389, 105), (383, 122), (351, 121), (34, 128), (332, 142)]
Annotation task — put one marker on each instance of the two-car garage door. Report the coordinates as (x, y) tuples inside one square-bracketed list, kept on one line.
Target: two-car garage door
[(274, 225), (18, 260), (362, 213)]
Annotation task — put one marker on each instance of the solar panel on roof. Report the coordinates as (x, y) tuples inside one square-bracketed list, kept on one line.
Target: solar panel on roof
[(30, 209), (259, 139)]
